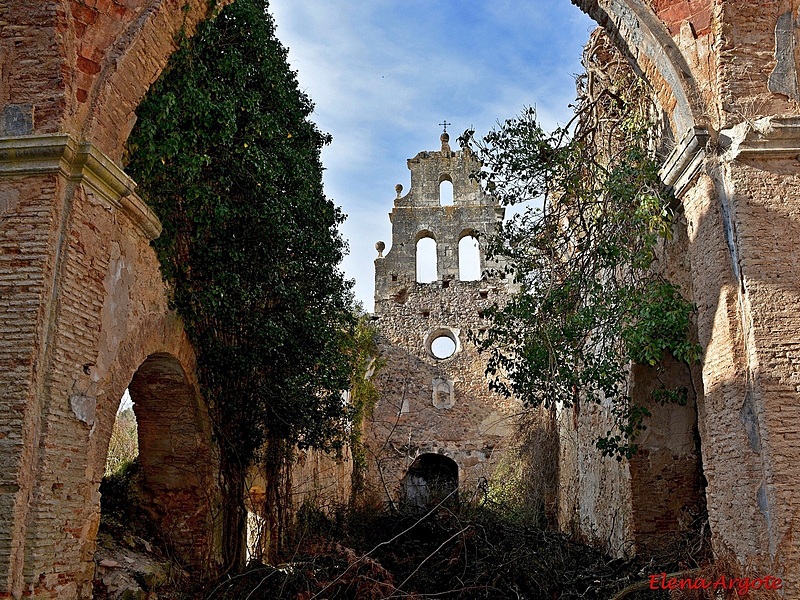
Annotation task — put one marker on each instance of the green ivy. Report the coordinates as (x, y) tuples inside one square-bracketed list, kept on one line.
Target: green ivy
[(363, 394), (224, 152)]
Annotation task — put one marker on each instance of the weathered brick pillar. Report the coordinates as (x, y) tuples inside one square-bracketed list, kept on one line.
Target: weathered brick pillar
[(62, 206), (726, 74), (85, 306), (82, 304)]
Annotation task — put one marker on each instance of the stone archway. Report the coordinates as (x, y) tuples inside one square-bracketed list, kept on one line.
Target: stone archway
[(77, 267), (176, 458), (431, 478)]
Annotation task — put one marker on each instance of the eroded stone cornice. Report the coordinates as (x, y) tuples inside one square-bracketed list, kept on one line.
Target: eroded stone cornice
[(685, 161), (80, 162), (768, 137)]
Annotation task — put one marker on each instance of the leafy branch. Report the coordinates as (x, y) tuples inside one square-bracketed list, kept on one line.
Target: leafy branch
[(584, 253)]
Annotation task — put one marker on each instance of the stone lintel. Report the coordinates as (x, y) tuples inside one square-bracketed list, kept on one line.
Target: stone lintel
[(79, 162), (766, 138), (684, 162)]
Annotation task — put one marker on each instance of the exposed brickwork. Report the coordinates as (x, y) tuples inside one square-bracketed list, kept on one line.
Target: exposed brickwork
[(675, 12), (108, 313), (86, 302), (30, 222), (82, 67), (84, 307), (667, 485), (746, 39), (741, 216)]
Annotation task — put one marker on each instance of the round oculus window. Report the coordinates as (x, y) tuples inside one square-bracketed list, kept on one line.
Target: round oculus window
[(442, 344)]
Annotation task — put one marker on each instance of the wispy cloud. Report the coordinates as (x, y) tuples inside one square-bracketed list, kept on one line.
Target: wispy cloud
[(384, 73)]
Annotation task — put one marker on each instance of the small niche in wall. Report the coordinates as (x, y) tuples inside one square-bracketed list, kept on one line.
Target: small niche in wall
[(401, 296), (443, 393)]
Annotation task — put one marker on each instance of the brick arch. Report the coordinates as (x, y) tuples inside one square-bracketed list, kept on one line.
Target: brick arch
[(176, 450), (129, 65), (176, 457), (74, 250), (644, 38), (156, 361), (81, 67)]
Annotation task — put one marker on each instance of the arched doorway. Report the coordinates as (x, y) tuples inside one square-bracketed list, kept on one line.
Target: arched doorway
[(175, 457), (159, 492), (431, 478)]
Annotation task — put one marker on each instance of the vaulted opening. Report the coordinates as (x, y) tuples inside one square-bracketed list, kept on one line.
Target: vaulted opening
[(469, 259), (171, 482), (445, 191), (431, 478), (426, 260), (667, 482)]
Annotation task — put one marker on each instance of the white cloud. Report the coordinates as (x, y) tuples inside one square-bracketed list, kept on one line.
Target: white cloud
[(384, 73)]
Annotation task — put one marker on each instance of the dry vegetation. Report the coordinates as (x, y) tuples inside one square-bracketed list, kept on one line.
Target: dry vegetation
[(123, 447)]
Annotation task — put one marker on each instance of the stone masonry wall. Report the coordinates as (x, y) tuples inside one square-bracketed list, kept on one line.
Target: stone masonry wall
[(405, 424), (431, 405)]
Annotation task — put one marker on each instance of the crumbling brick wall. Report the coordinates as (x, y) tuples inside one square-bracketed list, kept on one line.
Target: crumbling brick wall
[(726, 75), (86, 304)]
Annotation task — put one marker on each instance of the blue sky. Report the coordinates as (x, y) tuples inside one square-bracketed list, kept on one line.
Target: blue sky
[(384, 73)]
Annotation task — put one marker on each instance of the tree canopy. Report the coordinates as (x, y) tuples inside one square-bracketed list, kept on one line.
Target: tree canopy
[(592, 297)]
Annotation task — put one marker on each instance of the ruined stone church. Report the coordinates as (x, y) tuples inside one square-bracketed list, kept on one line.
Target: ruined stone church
[(436, 425), (84, 313)]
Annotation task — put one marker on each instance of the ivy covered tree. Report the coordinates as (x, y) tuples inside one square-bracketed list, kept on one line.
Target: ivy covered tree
[(226, 155), (584, 253)]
